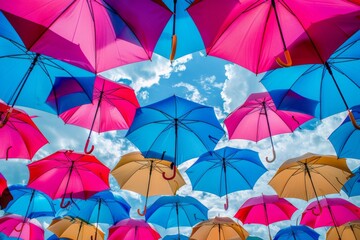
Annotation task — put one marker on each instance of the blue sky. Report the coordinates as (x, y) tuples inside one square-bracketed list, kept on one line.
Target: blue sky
[(206, 80)]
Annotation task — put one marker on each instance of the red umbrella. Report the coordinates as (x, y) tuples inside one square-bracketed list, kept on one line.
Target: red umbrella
[(96, 35), (258, 118), (69, 174), (3, 184), (253, 33), (5, 195), (20, 137), (113, 108), (265, 209)]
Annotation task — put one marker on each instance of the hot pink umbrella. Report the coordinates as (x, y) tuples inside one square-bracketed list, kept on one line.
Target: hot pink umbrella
[(3, 183), (96, 35), (265, 209), (333, 212), (253, 33), (131, 229), (113, 108), (20, 137), (257, 118), (15, 226), (69, 174)]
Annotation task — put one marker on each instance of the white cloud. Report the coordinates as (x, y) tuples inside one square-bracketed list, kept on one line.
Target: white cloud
[(193, 93)]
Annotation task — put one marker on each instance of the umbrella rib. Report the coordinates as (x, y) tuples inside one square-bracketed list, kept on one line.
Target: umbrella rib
[(346, 141), (262, 40), (345, 75), (229, 164), (337, 190), (204, 172), (297, 171)]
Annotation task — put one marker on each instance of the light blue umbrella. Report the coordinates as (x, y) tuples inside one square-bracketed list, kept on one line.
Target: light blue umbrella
[(27, 78), (335, 85), (176, 211), (297, 233), (175, 129), (352, 186), (346, 139), (175, 237), (182, 28), (54, 237), (29, 203), (253, 238), (103, 207), (226, 170)]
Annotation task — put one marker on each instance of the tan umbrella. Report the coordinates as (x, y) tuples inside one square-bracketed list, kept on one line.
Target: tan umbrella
[(310, 176), (348, 231), (218, 228), (75, 228), (145, 176)]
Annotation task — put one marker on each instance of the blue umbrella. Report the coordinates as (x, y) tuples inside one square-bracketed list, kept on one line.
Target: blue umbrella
[(226, 170), (103, 207), (352, 186), (167, 128), (335, 85), (253, 238), (54, 237), (297, 233), (180, 36), (346, 139), (175, 237), (176, 211), (29, 202), (28, 77)]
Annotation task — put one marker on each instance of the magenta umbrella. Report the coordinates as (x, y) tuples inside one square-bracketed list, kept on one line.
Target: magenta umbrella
[(96, 35), (257, 118), (66, 173), (333, 212), (17, 227), (133, 229), (20, 137), (254, 33), (113, 108), (265, 209)]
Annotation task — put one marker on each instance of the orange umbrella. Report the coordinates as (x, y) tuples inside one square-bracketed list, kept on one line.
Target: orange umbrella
[(348, 231), (218, 228), (144, 176)]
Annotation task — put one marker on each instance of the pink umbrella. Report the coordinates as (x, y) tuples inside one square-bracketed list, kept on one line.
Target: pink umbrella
[(257, 118), (265, 209), (20, 137), (3, 184), (113, 108), (96, 35), (255, 33), (15, 226), (333, 212), (131, 229), (69, 174)]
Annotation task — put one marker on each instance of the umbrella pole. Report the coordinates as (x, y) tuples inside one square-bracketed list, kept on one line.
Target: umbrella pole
[(288, 62), (352, 118), (174, 37), (313, 187), (78, 235), (333, 219), (62, 205), (97, 219), (173, 165), (93, 123), (177, 219), (27, 212), (226, 205), (147, 192), (267, 219), (269, 129)]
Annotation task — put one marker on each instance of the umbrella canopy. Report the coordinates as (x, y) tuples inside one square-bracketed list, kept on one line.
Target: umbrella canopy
[(345, 139), (176, 211), (133, 229), (113, 108), (258, 118), (218, 228), (29, 203), (74, 228), (334, 84), (226, 170), (144, 176), (175, 237), (103, 207), (348, 231), (16, 226), (297, 233), (180, 36), (252, 33), (106, 34), (351, 186), (265, 209), (175, 121), (71, 174), (310, 175), (33, 75), (23, 138), (54, 237), (3, 184)]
